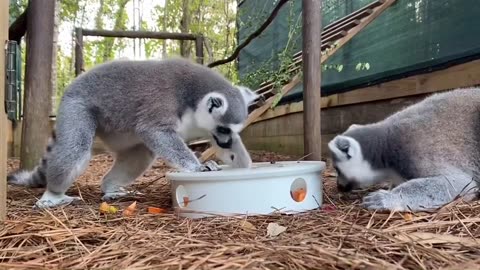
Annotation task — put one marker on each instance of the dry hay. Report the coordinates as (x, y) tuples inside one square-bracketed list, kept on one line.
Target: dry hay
[(348, 237)]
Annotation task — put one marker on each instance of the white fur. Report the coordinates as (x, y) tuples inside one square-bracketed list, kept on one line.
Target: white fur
[(237, 128), (22, 178), (119, 141), (188, 128), (203, 118), (356, 167), (248, 95), (50, 199)]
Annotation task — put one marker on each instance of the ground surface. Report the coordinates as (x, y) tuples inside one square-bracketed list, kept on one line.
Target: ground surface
[(340, 235)]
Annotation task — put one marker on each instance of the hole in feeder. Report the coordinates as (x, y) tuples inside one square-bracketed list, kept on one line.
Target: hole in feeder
[(182, 197), (298, 190)]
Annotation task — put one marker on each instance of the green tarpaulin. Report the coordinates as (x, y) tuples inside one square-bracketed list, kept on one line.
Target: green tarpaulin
[(411, 36)]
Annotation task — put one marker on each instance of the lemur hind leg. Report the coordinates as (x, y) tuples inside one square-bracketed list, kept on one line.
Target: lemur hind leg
[(70, 154), (129, 165), (423, 194)]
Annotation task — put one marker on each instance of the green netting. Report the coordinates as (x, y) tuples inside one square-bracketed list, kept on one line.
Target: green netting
[(410, 36)]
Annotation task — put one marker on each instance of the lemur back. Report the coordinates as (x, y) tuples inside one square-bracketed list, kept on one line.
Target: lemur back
[(141, 110), (430, 150)]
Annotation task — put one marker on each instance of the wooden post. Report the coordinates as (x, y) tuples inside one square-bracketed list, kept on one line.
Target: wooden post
[(311, 53), (38, 75), (3, 117), (78, 51), (199, 49)]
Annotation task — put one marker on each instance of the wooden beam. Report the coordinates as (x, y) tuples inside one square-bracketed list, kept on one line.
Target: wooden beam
[(458, 76), (18, 28), (365, 11), (37, 81), (364, 22), (3, 117), (78, 51), (311, 55), (139, 34), (199, 49)]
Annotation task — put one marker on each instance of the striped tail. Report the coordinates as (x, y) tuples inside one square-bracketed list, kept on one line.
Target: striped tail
[(37, 177)]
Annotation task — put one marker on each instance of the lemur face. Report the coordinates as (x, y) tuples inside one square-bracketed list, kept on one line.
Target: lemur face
[(223, 117), (353, 171)]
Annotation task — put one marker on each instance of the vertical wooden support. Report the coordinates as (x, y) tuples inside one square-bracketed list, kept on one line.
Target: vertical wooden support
[(3, 117), (38, 85), (311, 53), (199, 49), (78, 51)]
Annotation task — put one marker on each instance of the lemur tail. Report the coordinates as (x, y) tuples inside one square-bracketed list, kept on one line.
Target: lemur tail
[(37, 177)]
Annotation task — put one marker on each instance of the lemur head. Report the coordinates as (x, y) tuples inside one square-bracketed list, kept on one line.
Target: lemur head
[(223, 115), (353, 170)]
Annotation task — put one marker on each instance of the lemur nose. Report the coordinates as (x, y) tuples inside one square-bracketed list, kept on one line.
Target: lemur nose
[(345, 188)]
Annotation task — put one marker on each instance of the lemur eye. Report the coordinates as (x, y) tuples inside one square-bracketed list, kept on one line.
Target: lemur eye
[(224, 130)]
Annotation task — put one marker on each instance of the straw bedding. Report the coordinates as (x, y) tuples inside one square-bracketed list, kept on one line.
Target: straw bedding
[(339, 235)]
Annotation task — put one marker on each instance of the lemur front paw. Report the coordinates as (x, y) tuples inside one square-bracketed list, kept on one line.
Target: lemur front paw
[(210, 165), (52, 201), (120, 193), (383, 200)]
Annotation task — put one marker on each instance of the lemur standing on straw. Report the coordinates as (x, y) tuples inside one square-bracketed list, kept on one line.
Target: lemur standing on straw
[(142, 110)]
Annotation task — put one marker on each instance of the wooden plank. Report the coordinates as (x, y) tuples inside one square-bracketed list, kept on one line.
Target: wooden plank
[(199, 49), (364, 22), (311, 57), (345, 26), (37, 82), (284, 134), (78, 51), (355, 14), (463, 75), (3, 117), (139, 34)]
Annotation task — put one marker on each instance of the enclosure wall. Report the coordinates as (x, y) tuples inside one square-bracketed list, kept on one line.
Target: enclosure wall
[(410, 37), (281, 129)]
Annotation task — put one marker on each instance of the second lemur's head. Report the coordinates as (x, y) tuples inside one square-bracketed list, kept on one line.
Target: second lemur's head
[(223, 115), (353, 169)]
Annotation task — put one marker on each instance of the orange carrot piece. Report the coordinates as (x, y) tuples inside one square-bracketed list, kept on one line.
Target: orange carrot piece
[(156, 210), (186, 200)]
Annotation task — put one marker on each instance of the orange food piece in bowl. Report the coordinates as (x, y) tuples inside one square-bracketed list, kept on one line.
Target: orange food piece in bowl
[(299, 195), (186, 200)]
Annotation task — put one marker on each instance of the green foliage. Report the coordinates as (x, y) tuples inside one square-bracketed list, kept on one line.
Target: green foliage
[(214, 19), (16, 8)]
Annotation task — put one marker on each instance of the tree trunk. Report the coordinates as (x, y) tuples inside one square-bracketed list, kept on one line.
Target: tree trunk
[(38, 76), (184, 27)]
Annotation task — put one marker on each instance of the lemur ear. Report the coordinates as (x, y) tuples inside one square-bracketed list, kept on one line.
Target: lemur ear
[(214, 103), (248, 95), (344, 146)]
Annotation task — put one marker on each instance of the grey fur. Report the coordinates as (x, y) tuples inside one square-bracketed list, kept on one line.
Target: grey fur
[(432, 148), (138, 108)]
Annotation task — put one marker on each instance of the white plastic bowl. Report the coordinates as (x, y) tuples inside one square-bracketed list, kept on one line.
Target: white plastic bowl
[(261, 190)]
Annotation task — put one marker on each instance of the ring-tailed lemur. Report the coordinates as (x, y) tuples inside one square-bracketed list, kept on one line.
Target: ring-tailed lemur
[(430, 152), (141, 110)]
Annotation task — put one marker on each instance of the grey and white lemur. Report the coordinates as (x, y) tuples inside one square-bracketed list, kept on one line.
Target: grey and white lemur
[(141, 110), (429, 151)]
